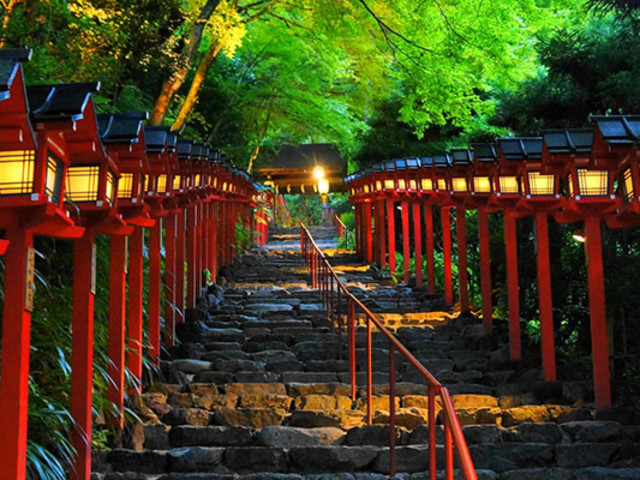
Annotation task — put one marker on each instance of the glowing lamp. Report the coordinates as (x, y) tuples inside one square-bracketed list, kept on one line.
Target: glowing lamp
[(318, 172), (160, 151), (323, 186), (440, 171)]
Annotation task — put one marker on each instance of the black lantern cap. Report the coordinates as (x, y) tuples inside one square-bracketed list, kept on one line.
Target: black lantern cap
[(442, 160), (378, 168), (413, 163), (155, 139), (10, 60), (568, 141), (121, 127), (60, 102), (426, 162), (184, 149), (172, 141), (521, 148), (389, 166), (618, 129), (400, 164), (485, 152), (462, 157), (197, 151)]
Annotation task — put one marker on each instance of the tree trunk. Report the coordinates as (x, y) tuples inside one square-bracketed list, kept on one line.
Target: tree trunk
[(192, 97), (263, 133), (177, 78)]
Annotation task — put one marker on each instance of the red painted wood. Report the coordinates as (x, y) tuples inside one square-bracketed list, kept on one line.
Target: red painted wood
[(391, 235), (134, 355), (417, 242), (169, 280), (485, 268), (206, 238), (382, 235), (14, 373), (191, 256), (446, 255), (461, 236), (431, 263), (368, 230), (200, 249), (155, 279), (598, 313), (117, 327), (545, 303), (82, 358), (513, 288), (214, 241), (3, 246), (406, 253), (180, 262)]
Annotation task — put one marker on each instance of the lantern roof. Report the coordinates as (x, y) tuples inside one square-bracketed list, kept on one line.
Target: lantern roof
[(521, 148), (413, 163), (378, 168), (184, 148), (389, 166), (121, 127), (155, 139), (62, 102), (568, 141), (462, 157), (442, 160), (426, 162), (198, 151), (485, 152), (618, 129), (172, 140), (10, 60)]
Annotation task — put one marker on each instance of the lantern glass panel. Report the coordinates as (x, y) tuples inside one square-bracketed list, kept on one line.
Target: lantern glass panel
[(570, 185), (627, 185), (482, 184), (413, 185), (366, 189), (593, 182), (402, 184), (540, 184), (162, 184), (125, 186), (53, 182), (509, 184), (82, 183), (215, 182), (442, 184), (176, 182), (224, 186), (378, 185), (427, 184), (389, 185), (198, 180), (111, 187), (459, 184), (16, 172), (323, 186)]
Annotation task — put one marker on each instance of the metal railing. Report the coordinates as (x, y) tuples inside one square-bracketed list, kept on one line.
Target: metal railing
[(340, 227), (334, 293)]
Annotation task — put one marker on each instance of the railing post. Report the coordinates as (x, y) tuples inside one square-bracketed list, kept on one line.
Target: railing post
[(392, 410), (432, 432), (369, 373), (448, 451), (351, 320)]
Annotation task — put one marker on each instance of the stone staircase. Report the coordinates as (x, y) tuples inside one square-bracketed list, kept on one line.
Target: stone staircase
[(259, 389)]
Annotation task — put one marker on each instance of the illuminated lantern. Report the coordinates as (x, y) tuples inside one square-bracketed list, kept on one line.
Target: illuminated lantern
[(389, 186), (440, 173)]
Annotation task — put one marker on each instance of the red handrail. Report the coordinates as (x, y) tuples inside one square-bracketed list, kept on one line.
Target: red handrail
[(340, 226), (332, 289)]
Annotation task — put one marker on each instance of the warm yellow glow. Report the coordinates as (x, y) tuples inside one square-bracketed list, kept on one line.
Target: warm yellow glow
[(378, 185), (482, 184), (541, 184), (111, 187), (224, 187), (389, 185), (402, 184), (53, 182), (593, 182), (82, 183), (353, 191), (17, 172), (323, 186), (318, 172), (125, 186), (580, 237), (570, 185), (442, 184), (366, 189), (628, 184), (162, 184), (413, 185), (198, 180), (176, 182), (427, 184), (509, 185), (459, 184)]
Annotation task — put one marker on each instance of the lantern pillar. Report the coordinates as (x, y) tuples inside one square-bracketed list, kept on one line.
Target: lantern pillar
[(16, 336), (598, 313), (191, 255), (206, 239), (117, 328), (368, 232), (446, 255), (417, 243), (357, 217), (431, 265), (406, 253), (213, 255), (381, 234), (200, 249), (82, 354), (169, 280), (180, 262), (391, 236), (545, 303), (513, 289), (134, 357), (485, 268), (461, 240), (155, 280)]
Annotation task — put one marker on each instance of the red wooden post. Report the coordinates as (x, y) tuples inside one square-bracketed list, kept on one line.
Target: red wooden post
[(431, 263), (391, 235), (368, 232), (446, 255), (598, 313), (191, 255), (16, 335), (513, 289), (180, 261), (382, 237), (155, 279), (544, 292), (134, 355), (406, 253), (82, 354), (200, 249), (214, 241), (170, 280), (485, 268), (417, 242), (117, 328), (206, 239), (461, 234)]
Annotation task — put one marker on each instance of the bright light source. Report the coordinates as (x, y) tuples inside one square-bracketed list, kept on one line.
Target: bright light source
[(323, 186), (318, 172), (579, 236)]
